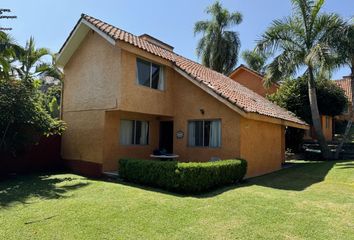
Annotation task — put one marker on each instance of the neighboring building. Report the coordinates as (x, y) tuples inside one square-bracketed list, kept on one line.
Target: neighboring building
[(252, 80), (255, 81), (125, 96), (345, 84), (327, 129)]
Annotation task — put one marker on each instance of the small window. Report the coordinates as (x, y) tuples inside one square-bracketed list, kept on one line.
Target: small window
[(205, 133), (149, 74), (327, 122), (133, 132), (346, 110)]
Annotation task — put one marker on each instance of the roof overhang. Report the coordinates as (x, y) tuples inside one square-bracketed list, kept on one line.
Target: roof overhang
[(75, 38), (243, 113)]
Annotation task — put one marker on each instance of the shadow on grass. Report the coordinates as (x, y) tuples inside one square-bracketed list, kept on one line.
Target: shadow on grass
[(298, 177), (21, 188)]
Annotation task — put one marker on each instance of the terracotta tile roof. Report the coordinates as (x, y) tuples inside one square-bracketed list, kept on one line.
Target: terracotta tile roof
[(345, 85), (249, 69), (230, 90)]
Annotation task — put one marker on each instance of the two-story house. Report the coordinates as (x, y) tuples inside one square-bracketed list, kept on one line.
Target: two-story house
[(127, 95)]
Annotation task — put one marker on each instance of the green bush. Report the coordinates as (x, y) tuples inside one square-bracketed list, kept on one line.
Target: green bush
[(188, 177)]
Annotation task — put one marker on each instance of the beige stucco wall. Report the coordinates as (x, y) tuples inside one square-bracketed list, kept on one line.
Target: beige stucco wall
[(92, 76), (262, 145), (91, 86), (84, 137), (137, 98), (189, 100), (113, 150)]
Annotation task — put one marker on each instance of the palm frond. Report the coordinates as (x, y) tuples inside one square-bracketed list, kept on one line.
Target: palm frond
[(201, 26)]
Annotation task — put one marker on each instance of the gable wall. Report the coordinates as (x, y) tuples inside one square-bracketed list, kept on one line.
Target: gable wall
[(262, 145), (93, 70), (91, 85), (253, 82)]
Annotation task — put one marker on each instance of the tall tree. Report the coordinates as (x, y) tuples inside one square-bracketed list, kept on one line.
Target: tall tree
[(9, 52), (23, 112), (302, 41), (32, 65), (345, 45), (219, 46)]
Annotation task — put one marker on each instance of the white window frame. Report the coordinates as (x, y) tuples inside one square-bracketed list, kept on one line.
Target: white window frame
[(134, 133), (161, 75), (204, 120)]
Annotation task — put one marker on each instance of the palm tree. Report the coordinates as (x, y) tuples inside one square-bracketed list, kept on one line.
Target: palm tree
[(8, 52), (33, 64), (302, 41), (345, 45), (255, 60), (219, 46)]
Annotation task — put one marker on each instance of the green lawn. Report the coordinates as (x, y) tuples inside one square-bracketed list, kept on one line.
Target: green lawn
[(313, 200)]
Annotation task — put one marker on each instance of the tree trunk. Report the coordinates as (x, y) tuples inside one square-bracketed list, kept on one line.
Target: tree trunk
[(316, 120), (350, 122)]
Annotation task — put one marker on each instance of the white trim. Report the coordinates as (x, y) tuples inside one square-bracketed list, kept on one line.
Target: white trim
[(101, 33)]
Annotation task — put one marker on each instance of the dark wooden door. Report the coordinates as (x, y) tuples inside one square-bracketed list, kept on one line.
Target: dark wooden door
[(166, 136)]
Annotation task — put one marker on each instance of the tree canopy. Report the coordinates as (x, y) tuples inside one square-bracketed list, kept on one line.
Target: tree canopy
[(24, 109), (293, 95), (255, 60), (219, 46)]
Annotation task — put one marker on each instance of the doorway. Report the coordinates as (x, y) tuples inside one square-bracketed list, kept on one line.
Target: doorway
[(166, 136)]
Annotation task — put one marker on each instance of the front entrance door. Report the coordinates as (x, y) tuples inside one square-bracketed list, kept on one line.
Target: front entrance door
[(166, 136)]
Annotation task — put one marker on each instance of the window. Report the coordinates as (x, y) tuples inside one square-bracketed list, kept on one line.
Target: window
[(327, 122), (346, 110), (149, 74), (204, 133), (134, 132)]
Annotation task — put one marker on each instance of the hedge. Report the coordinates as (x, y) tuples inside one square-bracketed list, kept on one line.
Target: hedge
[(188, 177)]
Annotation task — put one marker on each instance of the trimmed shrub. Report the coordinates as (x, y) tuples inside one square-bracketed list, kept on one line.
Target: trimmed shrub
[(186, 177)]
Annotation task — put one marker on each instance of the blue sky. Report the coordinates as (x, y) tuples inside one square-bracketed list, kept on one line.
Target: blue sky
[(171, 21)]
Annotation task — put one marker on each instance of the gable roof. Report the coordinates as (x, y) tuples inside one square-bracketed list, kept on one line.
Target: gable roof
[(217, 84), (345, 84), (244, 67)]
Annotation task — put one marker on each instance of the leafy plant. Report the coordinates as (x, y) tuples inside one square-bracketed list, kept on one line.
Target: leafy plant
[(24, 116), (255, 60), (293, 96), (219, 46)]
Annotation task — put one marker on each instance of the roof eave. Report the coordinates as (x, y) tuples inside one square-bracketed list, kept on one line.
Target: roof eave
[(242, 112), (75, 38)]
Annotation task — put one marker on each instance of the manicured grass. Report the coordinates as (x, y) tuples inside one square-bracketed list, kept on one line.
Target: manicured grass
[(312, 200)]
